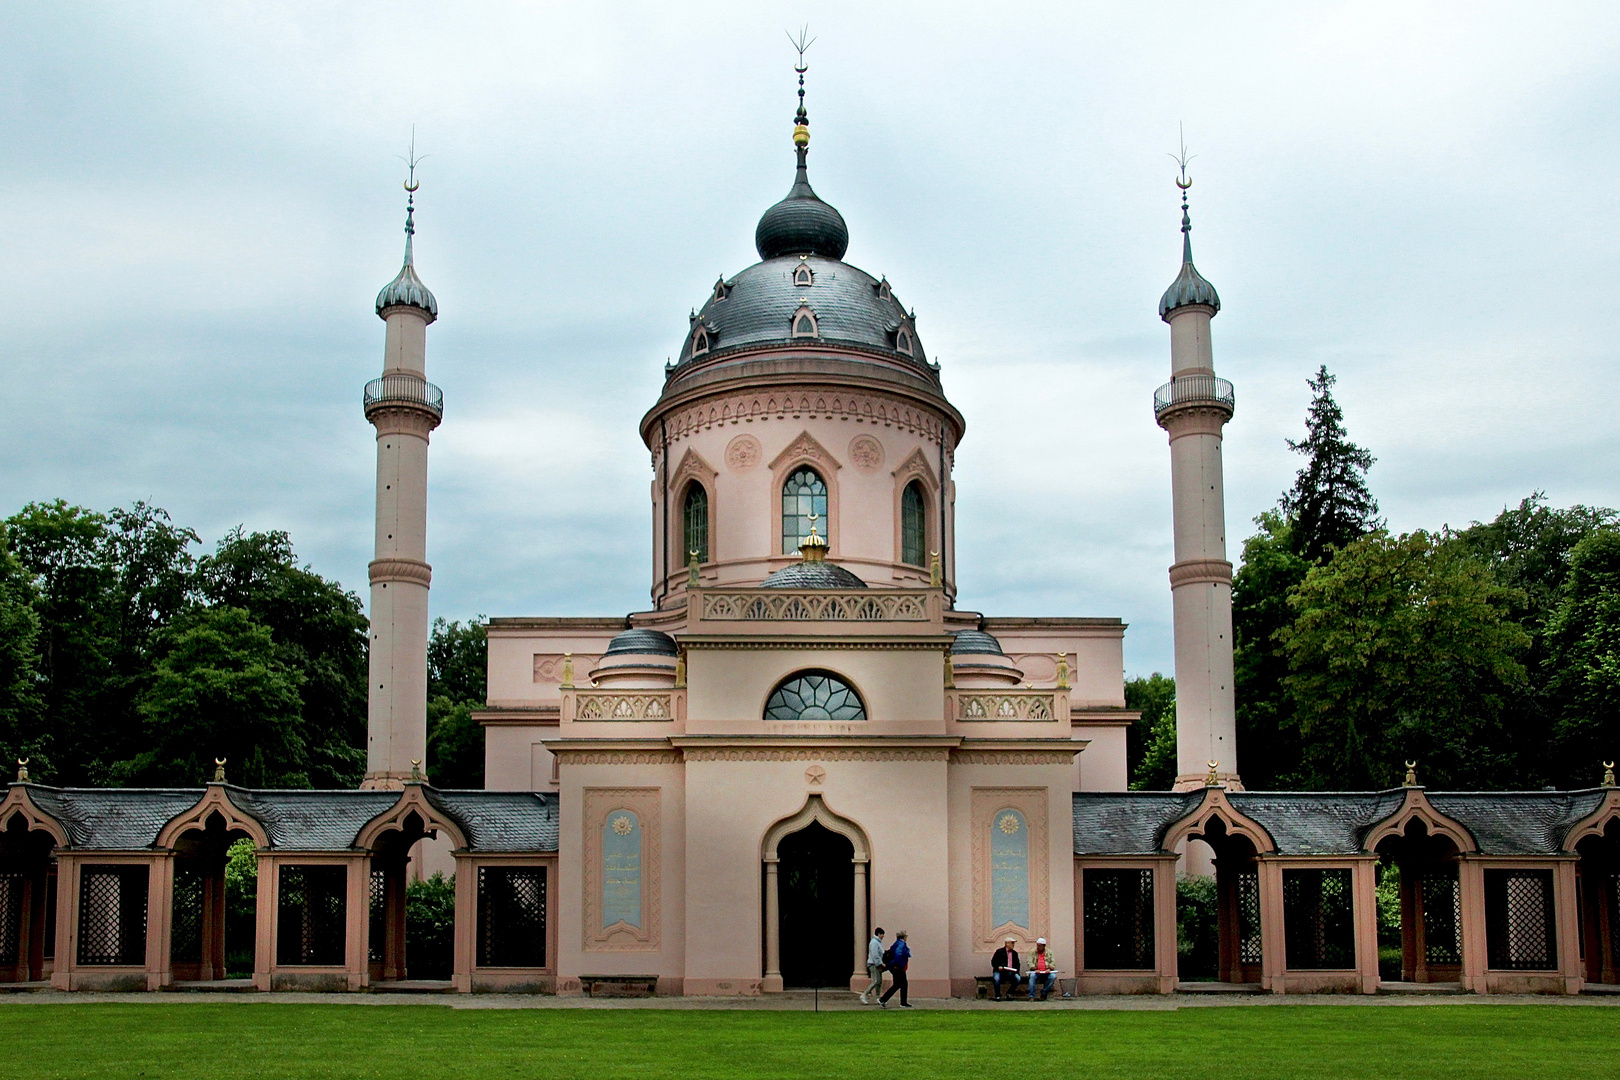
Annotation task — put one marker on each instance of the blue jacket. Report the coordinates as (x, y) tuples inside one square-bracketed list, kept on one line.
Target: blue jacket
[(902, 956)]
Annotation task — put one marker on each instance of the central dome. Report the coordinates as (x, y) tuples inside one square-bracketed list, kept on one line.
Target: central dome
[(802, 224)]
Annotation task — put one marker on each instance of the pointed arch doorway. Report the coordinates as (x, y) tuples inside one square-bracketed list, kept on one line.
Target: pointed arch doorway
[(815, 868)]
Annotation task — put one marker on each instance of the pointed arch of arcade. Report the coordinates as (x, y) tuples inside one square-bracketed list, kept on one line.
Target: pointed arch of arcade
[(814, 811), (1247, 923), (193, 882), (17, 801), (1427, 847), (1596, 839), (1416, 807), (389, 838), (28, 837), (1215, 807)]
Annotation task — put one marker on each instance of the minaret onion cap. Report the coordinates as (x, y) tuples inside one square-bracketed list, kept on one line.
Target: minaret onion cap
[(407, 290), (1189, 288)]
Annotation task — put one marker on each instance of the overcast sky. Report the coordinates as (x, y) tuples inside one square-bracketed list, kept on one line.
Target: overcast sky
[(198, 204)]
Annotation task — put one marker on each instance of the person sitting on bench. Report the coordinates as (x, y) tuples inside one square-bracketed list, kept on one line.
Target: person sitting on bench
[(1005, 969), (1041, 968)]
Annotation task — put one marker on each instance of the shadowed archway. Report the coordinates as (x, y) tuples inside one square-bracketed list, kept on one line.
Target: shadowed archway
[(816, 875)]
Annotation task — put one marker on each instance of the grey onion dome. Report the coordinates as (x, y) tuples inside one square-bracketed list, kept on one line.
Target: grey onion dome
[(407, 290), (1189, 288), (642, 643), (976, 642), (812, 575), (801, 224)]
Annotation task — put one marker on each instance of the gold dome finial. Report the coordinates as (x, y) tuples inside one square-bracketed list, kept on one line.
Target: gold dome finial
[(801, 120), (1212, 780), (814, 548), (1411, 775), (1608, 774), (22, 770), (219, 771)]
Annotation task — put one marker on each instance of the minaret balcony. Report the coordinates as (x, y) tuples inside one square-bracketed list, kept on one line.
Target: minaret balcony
[(1193, 391), (404, 392)]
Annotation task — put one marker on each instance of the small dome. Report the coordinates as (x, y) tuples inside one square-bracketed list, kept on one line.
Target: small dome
[(802, 224), (1189, 288), (812, 575), (642, 643), (976, 642)]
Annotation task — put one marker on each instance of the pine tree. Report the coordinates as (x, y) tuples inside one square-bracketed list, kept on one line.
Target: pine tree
[(1329, 505)]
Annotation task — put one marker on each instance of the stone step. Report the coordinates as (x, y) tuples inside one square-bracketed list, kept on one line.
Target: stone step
[(1217, 988), (413, 986), (1394, 986), (215, 986)]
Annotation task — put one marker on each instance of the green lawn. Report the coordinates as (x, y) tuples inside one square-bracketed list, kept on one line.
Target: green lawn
[(220, 1042)]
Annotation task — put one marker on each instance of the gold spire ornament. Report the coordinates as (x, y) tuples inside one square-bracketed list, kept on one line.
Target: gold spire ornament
[(1063, 671), (219, 771), (416, 770), (1608, 774), (692, 567), (568, 671), (22, 771), (950, 672), (814, 548), (935, 577), (1212, 780), (1411, 775), (680, 671)]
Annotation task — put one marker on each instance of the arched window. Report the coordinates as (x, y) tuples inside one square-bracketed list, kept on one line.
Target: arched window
[(803, 275), (804, 494), (804, 322), (696, 518), (902, 341), (700, 341), (913, 525), (815, 696), (883, 289)]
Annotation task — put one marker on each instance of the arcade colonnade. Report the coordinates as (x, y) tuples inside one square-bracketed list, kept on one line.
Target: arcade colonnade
[(108, 889)]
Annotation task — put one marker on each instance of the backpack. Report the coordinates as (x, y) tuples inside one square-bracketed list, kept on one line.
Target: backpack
[(888, 956)]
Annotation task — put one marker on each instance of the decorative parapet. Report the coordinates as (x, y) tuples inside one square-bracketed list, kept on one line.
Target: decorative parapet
[(974, 706), (403, 391), (1194, 392), (621, 705), (817, 605)]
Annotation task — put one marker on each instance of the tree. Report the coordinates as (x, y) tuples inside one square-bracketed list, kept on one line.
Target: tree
[(1271, 569), (1329, 504), (1150, 744), (21, 708), (219, 690), (1584, 656), (1402, 647), (319, 631), (458, 663)]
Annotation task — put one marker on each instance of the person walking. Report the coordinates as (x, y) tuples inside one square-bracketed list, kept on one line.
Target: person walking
[(1006, 972), (1040, 967), (898, 959), (874, 966)]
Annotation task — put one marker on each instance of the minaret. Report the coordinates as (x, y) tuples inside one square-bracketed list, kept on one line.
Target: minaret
[(404, 407), (1193, 407)]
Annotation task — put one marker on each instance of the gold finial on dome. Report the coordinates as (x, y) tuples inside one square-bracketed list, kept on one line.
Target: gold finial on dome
[(22, 770), (1608, 774), (801, 134), (1411, 775), (1213, 779), (219, 771), (814, 548)]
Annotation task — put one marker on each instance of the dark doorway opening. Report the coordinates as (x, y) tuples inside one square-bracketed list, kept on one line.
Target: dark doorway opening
[(817, 887)]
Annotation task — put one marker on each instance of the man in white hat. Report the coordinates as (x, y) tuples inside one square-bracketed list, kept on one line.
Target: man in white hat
[(1040, 967)]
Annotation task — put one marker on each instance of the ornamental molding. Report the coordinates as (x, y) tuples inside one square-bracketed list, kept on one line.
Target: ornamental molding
[(866, 452), (616, 757), (548, 667), (743, 453), (611, 705), (816, 753), (403, 418), (784, 404), (1194, 419), (1201, 572), (1006, 705), (805, 449), (1014, 757), (933, 643), (693, 467), (916, 467), (406, 571), (820, 605)]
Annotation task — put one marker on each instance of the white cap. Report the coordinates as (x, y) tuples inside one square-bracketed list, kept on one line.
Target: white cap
[(1040, 941)]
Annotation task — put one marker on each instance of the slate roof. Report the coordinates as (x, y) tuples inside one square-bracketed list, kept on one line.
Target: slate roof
[(760, 303), (812, 575), (129, 819), (1331, 822), (976, 643), (642, 643)]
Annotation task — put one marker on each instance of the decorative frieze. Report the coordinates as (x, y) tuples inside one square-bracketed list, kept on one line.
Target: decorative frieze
[(1015, 757), (820, 605), (614, 705), (1006, 705), (783, 405), (816, 753)]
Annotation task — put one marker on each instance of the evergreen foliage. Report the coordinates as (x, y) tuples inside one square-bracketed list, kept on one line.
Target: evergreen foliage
[(1583, 659), (1150, 743), (458, 659), (1329, 504)]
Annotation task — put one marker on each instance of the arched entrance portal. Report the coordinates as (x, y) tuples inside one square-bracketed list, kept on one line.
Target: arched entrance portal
[(815, 899), (816, 874)]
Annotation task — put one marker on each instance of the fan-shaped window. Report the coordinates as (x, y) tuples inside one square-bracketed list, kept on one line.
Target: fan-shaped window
[(913, 524), (803, 276), (902, 341), (696, 508), (815, 696), (804, 322), (803, 495), (700, 341)]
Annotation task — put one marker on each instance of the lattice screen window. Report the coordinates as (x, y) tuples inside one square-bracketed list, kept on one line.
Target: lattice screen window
[(186, 932), (1118, 919), (511, 916), (311, 914), (1318, 925), (378, 900), (112, 915), (1442, 916), (11, 905), (1613, 886), (1248, 902), (1519, 934)]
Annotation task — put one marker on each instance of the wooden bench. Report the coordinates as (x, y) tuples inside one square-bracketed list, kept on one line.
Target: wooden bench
[(606, 986), (985, 987)]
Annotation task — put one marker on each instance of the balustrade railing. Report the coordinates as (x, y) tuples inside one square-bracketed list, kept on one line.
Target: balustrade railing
[(404, 390), (1193, 390)]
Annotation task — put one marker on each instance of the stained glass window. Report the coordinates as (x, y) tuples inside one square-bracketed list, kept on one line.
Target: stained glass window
[(697, 523), (815, 696), (803, 494), (913, 525)]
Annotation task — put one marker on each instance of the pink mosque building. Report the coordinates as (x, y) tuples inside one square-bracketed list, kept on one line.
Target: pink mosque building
[(804, 735)]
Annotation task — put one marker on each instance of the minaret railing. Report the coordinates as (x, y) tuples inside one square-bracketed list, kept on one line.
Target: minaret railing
[(1189, 390), (409, 390)]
